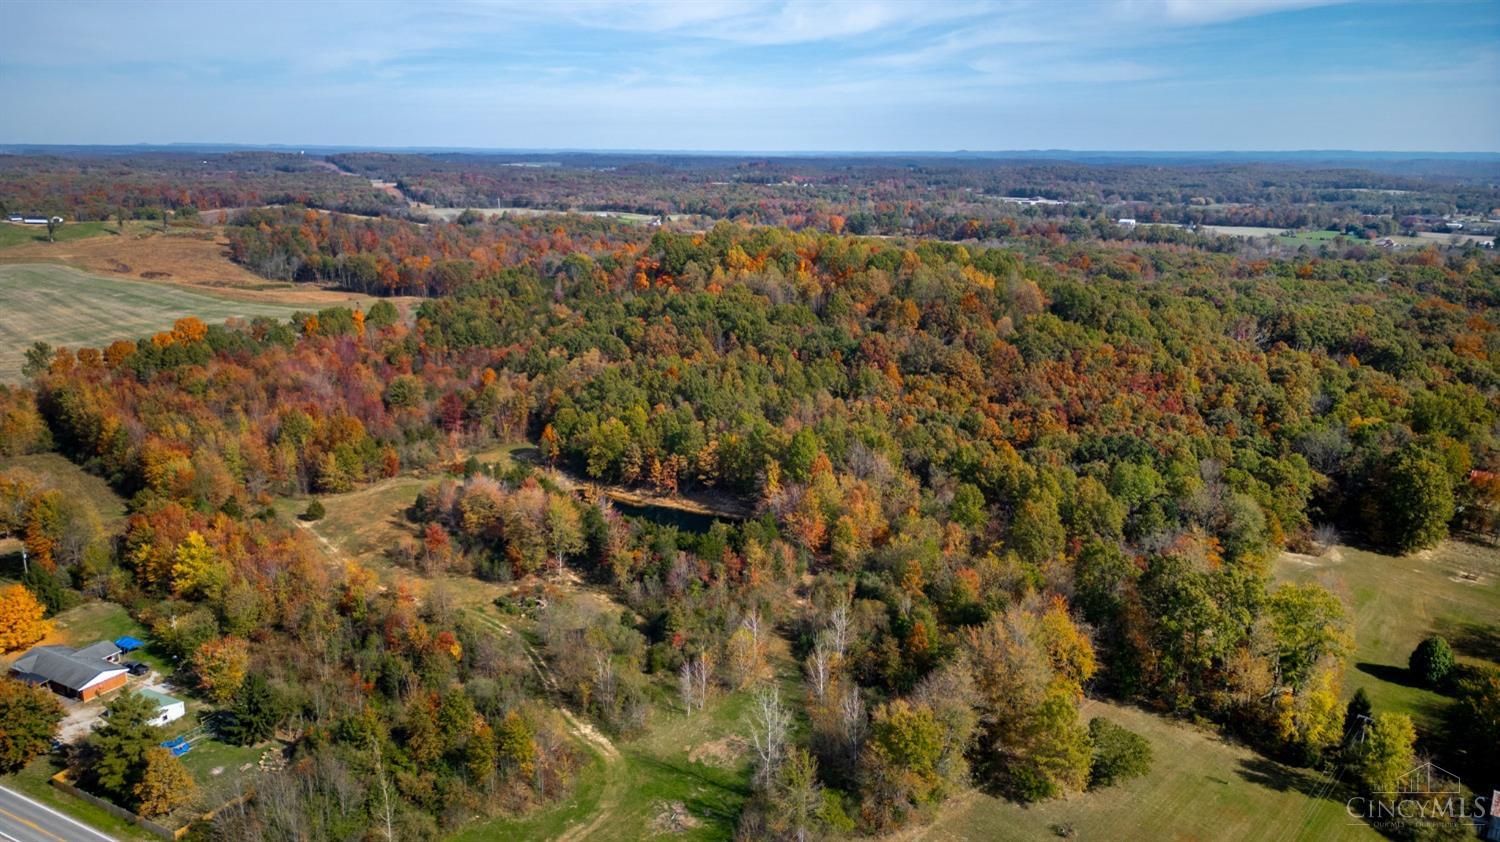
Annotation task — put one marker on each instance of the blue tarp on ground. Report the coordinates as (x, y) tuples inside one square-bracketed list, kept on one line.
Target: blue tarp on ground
[(129, 644)]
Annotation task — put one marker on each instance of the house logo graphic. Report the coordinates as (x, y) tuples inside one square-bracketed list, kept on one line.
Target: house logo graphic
[(1426, 794), (1427, 779)]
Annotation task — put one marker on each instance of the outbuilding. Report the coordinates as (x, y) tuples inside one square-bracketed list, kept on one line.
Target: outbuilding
[(168, 708)]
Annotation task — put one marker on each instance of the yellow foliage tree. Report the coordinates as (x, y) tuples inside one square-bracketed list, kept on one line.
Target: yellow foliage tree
[(196, 569), (221, 666), (165, 784), (21, 622)]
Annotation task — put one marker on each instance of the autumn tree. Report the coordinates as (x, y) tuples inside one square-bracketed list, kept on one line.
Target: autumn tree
[(21, 614), (564, 530), (31, 716), (221, 665), (164, 785), (1386, 753), (1032, 744)]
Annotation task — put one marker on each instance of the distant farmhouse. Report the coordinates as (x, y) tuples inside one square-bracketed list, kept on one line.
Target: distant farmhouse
[(75, 673)]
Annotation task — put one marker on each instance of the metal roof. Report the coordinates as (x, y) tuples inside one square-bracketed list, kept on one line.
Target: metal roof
[(65, 667)]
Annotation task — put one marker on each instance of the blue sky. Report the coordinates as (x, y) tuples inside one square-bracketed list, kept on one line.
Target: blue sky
[(708, 75)]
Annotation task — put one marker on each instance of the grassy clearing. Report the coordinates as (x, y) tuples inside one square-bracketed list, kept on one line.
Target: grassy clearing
[(68, 307), (73, 481), (619, 800), (1453, 590), (1200, 787), (361, 524), (14, 234), (94, 621)]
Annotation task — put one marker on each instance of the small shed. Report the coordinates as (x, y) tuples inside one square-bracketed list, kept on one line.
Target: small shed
[(168, 708)]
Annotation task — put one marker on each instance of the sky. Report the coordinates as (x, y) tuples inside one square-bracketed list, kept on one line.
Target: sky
[(725, 75)]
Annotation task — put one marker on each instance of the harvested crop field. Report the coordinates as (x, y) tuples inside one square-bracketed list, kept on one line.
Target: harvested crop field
[(196, 257), (63, 306)]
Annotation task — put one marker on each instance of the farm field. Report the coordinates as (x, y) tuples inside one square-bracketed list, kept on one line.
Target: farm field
[(1452, 590), (1200, 787), (68, 307)]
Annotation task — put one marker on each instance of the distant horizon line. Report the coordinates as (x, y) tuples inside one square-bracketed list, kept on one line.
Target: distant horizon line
[(9, 147)]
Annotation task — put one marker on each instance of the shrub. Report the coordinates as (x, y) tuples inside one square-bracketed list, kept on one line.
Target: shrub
[(1432, 663), (315, 511), (1119, 755)]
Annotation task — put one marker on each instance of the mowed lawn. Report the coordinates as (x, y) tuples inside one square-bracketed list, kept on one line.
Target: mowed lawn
[(63, 306), (14, 234), (1201, 787), (1394, 602)]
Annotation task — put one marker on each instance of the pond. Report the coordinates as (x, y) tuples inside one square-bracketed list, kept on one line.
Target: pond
[(694, 522)]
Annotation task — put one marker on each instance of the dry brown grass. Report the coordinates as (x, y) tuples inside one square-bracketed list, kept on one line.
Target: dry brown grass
[(194, 258)]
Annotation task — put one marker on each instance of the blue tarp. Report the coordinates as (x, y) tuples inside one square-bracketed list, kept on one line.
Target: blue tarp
[(129, 644)]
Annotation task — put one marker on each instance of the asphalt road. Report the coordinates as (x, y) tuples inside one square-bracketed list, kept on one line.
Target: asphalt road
[(24, 820)]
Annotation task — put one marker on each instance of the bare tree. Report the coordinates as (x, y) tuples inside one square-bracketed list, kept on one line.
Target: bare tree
[(838, 627), (385, 794), (820, 667), (770, 723), (852, 717), (703, 667)]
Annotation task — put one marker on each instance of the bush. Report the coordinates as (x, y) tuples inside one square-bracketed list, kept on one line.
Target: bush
[(1432, 663), (315, 511), (1119, 755)]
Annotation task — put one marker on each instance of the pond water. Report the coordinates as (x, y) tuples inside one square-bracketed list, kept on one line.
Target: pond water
[(668, 516)]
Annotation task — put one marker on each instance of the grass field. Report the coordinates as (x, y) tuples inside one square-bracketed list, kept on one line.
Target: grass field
[(1453, 590), (74, 482), (14, 234), (67, 307), (1200, 787)]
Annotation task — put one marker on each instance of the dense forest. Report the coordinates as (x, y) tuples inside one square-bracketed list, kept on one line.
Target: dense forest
[(984, 482), (146, 185)]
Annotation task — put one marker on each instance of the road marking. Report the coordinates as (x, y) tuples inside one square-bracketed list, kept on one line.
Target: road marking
[(69, 819), (33, 825)]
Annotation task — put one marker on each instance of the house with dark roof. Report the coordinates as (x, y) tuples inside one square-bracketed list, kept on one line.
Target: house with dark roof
[(76, 673)]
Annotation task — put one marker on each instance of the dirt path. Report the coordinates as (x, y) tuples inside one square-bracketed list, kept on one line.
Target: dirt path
[(332, 550), (609, 798)]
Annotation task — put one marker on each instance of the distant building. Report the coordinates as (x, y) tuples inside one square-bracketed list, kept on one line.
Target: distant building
[(168, 708), (1127, 222), (1494, 834), (75, 673)]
